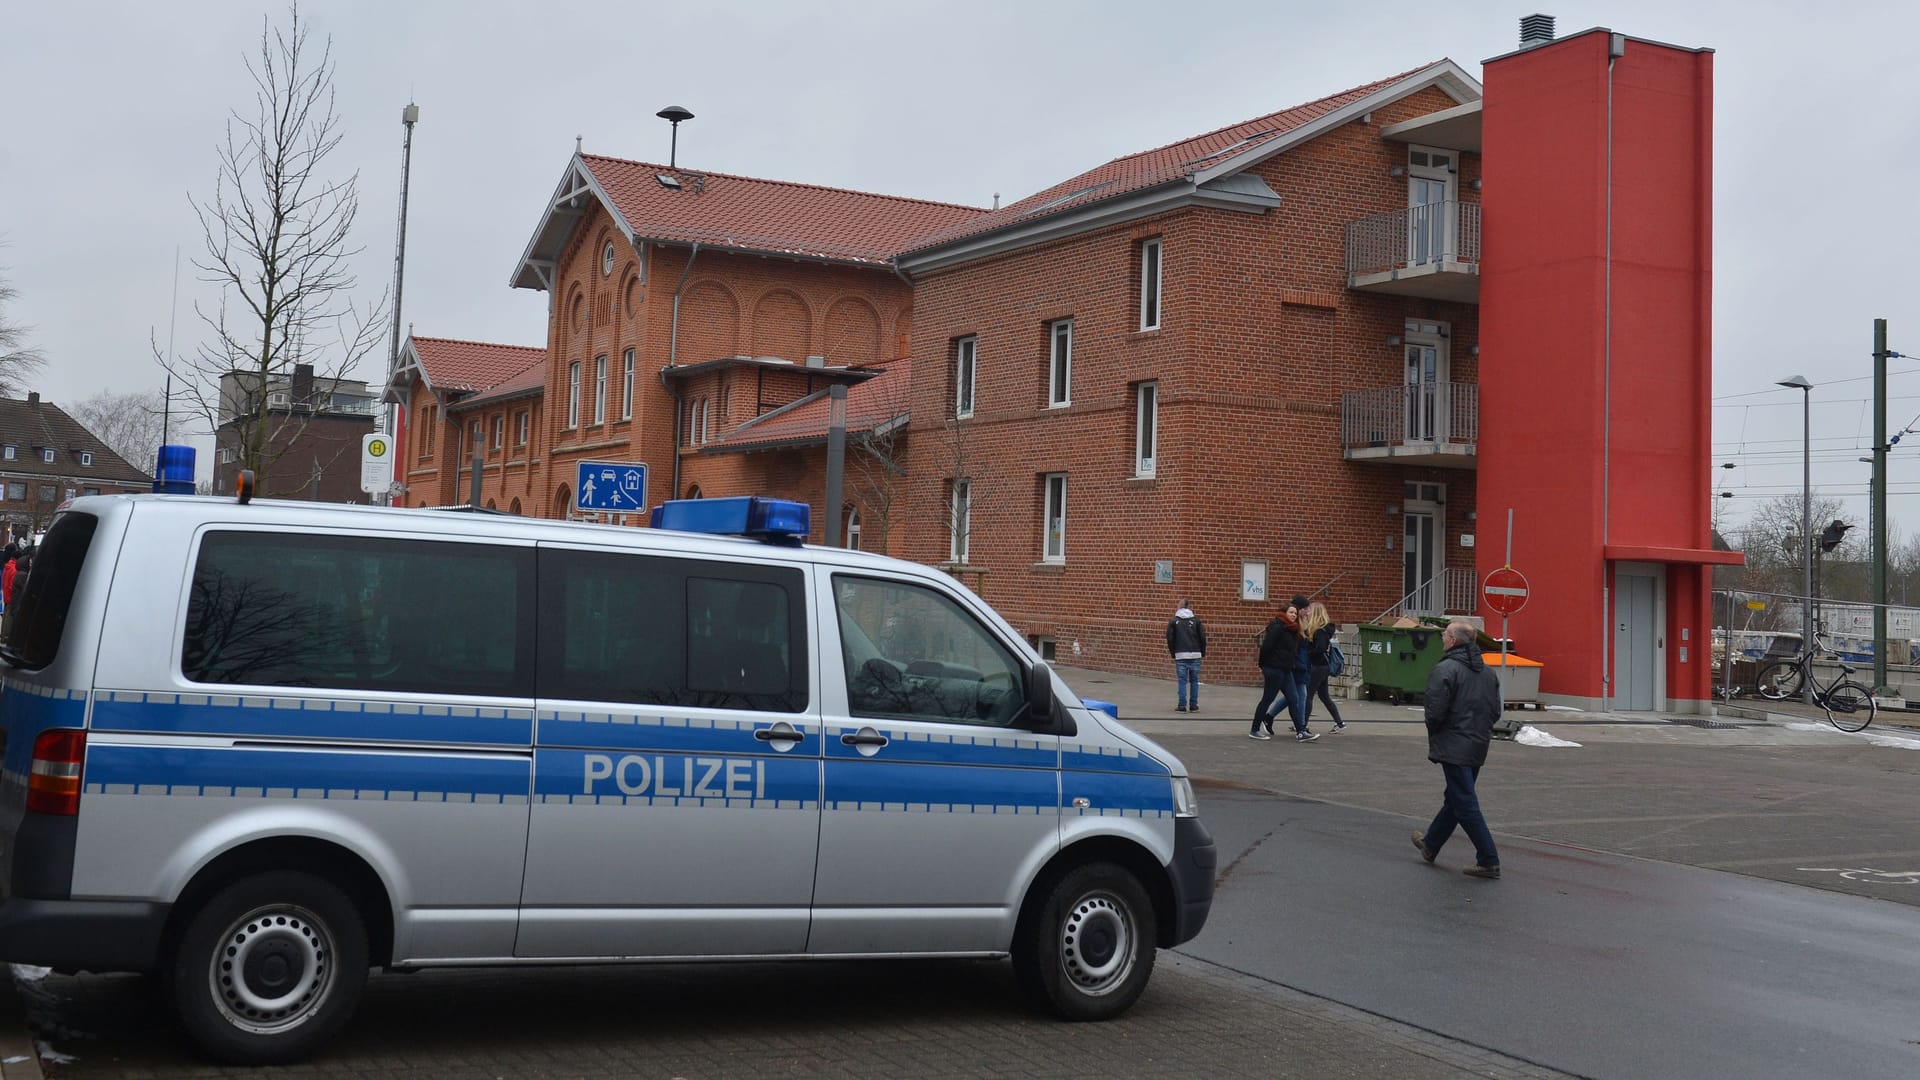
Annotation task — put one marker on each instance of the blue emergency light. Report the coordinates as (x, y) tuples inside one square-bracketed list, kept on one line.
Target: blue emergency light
[(779, 521), (173, 471)]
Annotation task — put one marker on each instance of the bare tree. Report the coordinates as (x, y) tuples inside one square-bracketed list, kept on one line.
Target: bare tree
[(277, 237), (19, 361), (130, 424)]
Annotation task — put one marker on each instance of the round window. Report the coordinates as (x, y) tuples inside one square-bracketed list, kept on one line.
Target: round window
[(606, 260)]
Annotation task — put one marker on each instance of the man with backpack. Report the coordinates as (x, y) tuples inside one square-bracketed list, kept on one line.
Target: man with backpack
[(1187, 644)]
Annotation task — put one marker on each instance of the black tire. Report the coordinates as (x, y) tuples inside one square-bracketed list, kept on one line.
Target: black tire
[(1778, 681), (1850, 707), (1089, 950), (270, 968)]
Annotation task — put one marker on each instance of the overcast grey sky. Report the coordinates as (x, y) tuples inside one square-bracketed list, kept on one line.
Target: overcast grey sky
[(113, 109)]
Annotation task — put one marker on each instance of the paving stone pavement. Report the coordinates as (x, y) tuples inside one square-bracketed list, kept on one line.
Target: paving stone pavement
[(886, 1019)]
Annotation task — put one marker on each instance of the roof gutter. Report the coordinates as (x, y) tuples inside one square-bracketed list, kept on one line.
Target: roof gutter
[(673, 358)]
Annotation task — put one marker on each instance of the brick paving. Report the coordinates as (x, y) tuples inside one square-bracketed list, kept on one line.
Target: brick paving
[(887, 1019)]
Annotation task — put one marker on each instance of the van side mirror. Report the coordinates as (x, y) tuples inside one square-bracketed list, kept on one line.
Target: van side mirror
[(1044, 714)]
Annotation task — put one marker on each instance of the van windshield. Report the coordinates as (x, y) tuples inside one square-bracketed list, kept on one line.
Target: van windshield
[(40, 609)]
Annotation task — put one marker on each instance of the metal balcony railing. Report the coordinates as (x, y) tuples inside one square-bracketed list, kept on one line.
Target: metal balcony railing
[(1435, 233), (1399, 415), (1448, 592)]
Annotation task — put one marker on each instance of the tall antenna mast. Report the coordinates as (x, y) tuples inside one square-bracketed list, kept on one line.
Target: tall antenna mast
[(409, 116)]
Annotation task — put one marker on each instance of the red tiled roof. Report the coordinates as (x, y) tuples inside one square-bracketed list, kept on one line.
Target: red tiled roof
[(1174, 161), (531, 381), (769, 215), (468, 366), (869, 405)]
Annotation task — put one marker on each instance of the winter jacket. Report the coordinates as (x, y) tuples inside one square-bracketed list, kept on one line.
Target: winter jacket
[(1317, 649), (1186, 638), (1280, 645), (1463, 701)]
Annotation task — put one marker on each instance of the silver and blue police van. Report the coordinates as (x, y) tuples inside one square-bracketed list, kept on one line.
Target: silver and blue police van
[(257, 749)]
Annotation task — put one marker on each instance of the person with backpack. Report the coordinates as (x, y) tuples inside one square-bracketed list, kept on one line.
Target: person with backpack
[(1280, 646), (1187, 644), (1323, 656)]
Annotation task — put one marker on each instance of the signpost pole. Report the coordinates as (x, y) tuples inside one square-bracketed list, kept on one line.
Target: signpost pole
[(1504, 616)]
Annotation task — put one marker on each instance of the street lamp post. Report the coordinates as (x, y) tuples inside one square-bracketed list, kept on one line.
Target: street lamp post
[(1800, 383)]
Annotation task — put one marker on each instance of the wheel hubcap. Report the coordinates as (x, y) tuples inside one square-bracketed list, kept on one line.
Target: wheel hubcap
[(273, 969), (1097, 944)]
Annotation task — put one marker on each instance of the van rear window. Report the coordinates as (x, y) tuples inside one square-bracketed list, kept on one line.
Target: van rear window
[(361, 613), (41, 608)]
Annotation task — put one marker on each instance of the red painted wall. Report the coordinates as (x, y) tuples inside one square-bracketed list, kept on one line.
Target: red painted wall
[(1547, 448)]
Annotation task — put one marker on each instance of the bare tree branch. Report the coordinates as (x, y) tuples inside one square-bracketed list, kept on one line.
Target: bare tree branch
[(130, 424), (277, 238), (19, 360)]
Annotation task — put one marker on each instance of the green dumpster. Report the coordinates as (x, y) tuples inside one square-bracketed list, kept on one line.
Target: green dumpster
[(1396, 660)]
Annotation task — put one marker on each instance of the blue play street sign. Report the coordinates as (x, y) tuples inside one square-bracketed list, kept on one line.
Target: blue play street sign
[(610, 487)]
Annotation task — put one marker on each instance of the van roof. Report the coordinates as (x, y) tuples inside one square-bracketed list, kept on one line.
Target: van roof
[(445, 520)]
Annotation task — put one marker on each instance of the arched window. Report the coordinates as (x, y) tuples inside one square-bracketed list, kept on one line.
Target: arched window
[(693, 492), (513, 507), (852, 531)]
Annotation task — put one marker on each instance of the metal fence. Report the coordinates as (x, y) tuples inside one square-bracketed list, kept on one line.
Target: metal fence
[(1449, 592), (1442, 232), (1396, 415)]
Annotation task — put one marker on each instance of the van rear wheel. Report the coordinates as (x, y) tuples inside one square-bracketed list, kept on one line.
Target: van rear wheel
[(269, 968), (1088, 953)]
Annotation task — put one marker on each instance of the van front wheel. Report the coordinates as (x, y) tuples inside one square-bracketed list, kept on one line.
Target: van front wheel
[(269, 968), (1089, 952)]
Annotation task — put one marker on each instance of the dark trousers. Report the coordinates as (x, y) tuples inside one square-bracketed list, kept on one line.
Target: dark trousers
[(1317, 687), (1462, 807), (1274, 683)]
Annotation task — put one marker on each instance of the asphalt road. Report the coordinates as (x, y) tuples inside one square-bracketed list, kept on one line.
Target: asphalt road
[(1595, 964)]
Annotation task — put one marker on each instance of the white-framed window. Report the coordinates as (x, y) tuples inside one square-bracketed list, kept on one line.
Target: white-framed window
[(599, 389), (959, 519), (699, 412), (277, 399), (852, 531), (1146, 427), (46, 454), (499, 432), (9, 451), (606, 260), (226, 455), (1060, 364), (626, 386), (523, 421), (1054, 520), (426, 431), (706, 419), (573, 394), (86, 457), (1150, 284), (965, 351)]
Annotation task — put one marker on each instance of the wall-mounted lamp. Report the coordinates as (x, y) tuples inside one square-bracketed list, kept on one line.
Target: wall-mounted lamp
[(1393, 511), (1475, 185), (1473, 350), (1472, 514), (1393, 342), (1397, 170)]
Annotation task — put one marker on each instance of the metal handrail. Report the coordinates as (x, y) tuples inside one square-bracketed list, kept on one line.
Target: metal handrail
[(1456, 591), (1410, 413), (1429, 234)]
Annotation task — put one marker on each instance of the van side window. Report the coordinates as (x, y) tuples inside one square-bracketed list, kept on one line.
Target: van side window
[(361, 613), (43, 597), (913, 653), (652, 630)]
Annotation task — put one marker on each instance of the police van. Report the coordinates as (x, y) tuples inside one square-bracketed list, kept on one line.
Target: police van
[(259, 748)]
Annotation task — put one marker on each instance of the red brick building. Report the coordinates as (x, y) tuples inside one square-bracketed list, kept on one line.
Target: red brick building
[(1239, 366)]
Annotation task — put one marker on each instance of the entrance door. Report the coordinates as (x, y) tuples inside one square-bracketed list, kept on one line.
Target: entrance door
[(1423, 380), (1636, 612), (1422, 558), (1429, 190)]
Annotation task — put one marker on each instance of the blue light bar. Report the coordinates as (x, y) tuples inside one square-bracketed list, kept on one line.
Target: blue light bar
[(774, 520), (173, 471)]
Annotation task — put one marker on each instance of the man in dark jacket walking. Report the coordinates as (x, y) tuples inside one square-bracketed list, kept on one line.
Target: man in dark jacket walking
[(1463, 701), (1187, 644)]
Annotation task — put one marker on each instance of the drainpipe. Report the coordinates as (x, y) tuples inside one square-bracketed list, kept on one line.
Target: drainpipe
[(673, 358), (1616, 47)]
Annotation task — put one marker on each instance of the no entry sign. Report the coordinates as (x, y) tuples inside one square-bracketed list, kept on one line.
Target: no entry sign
[(1506, 590)]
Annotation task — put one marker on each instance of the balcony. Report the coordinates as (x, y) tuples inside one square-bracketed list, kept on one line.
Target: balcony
[(1434, 424), (1430, 251)]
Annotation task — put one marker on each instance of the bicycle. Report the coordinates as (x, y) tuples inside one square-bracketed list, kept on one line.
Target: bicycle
[(1849, 706)]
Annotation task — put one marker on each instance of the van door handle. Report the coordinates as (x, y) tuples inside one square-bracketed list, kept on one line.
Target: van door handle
[(783, 733), (869, 737)]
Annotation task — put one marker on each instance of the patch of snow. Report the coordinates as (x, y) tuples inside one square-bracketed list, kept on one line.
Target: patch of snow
[(1533, 736), (1902, 741), (14, 1060), (30, 972), (1563, 708), (51, 1056)]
